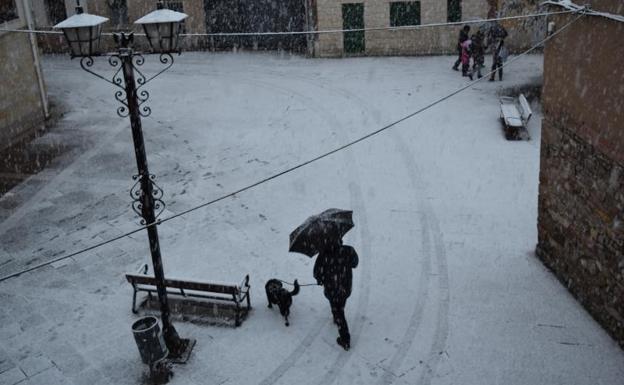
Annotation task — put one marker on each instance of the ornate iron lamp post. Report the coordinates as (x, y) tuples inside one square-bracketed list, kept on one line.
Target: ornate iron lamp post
[(162, 27)]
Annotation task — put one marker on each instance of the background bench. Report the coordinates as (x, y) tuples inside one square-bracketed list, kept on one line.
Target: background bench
[(515, 114), (228, 292)]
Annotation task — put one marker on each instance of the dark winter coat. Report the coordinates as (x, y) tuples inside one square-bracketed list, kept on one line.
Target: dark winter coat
[(463, 36), (499, 49), (495, 35), (332, 269), (478, 50), (498, 32)]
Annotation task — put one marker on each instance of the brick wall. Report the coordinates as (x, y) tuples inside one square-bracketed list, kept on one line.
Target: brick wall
[(581, 193)]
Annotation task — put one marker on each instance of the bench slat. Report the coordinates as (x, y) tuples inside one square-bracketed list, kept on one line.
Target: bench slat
[(188, 285), (526, 108)]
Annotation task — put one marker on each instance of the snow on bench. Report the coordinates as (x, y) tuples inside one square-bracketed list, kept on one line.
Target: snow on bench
[(515, 114), (220, 291)]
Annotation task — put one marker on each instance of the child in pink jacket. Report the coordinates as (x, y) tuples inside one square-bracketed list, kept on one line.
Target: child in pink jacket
[(466, 47)]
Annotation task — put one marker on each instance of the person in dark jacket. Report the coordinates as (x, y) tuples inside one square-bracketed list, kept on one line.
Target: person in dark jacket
[(463, 36), (333, 271), (478, 53), (496, 37)]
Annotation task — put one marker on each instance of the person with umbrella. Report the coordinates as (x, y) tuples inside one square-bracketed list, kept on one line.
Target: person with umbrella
[(322, 234), (333, 271)]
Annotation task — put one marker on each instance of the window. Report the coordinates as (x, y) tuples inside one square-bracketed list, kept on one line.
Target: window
[(404, 13), (454, 11), (8, 10), (118, 11), (56, 11)]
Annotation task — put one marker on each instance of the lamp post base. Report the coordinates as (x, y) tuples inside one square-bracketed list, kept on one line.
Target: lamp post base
[(183, 351)]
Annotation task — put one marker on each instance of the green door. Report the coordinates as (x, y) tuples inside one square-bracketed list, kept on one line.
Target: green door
[(353, 18)]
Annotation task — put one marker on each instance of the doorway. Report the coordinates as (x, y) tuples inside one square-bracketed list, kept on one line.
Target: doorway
[(353, 18)]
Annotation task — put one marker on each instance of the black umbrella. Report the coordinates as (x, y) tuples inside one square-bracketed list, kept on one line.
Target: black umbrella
[(312, 234)]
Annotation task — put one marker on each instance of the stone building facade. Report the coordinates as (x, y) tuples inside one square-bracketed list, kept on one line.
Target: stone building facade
[(330, 15), (23, 98), (581, 193), (205, 16), (121, 14), (334, 15)]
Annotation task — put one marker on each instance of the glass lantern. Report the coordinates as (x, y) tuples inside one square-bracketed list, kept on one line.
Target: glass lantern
[(162, 28), (82, 32)]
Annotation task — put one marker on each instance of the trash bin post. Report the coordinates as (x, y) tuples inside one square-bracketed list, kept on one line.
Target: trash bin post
[(152, 348)]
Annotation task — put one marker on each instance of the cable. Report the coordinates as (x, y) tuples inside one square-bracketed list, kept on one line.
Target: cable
[(367, 136), (402, 28), (329, 31), (315, 159), (72, 254), (300, 284)]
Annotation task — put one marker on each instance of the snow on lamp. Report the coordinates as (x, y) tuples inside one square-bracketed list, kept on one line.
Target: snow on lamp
[(162, 28), (82, 32)]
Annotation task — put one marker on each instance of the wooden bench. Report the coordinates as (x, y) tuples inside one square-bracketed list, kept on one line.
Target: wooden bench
[(515, 114), (228, 292)]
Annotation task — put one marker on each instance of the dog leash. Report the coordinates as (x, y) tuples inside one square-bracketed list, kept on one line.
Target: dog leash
[(301, 284)]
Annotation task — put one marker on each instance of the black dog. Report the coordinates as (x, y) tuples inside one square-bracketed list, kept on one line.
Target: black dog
[(279, 296)]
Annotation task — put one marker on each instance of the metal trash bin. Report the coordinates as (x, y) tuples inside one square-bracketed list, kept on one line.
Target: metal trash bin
[(149, 340)]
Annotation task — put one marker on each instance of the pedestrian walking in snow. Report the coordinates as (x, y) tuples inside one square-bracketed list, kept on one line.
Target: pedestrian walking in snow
[(465, 58), (333, 271), (463, 36), (478, 53), (496, 40), (322, 234)]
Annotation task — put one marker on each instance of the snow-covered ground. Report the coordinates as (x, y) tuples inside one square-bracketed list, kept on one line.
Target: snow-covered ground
[(448, 290)]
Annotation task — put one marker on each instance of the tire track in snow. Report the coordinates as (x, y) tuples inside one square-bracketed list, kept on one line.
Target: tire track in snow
[(422, 293), (431, 229), (356, 197), (293, 357), (442, 325), (365, 253)]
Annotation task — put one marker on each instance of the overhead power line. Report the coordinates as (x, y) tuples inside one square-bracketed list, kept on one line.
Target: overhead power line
[(329, 31), (402, 28), (298, 166)]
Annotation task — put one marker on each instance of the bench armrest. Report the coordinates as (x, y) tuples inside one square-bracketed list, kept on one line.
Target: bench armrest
[(244, 286)]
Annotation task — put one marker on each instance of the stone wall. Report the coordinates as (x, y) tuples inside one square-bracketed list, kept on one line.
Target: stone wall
[(523, 33), (581, 193), (427, 41), (21, 109)]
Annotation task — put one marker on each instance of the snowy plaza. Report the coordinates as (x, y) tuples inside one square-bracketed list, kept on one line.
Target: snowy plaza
[(448, 289)]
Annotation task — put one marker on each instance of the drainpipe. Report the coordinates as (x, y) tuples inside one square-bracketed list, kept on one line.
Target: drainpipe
[(36, 60)]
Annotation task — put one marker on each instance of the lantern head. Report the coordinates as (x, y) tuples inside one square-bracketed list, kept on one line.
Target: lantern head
[(82, 32), (162, 28)]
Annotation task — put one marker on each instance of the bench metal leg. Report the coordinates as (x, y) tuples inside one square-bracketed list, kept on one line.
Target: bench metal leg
[(134, 309), (238, 311)]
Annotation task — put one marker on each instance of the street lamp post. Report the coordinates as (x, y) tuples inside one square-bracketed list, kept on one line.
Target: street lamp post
[(162, 27)]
